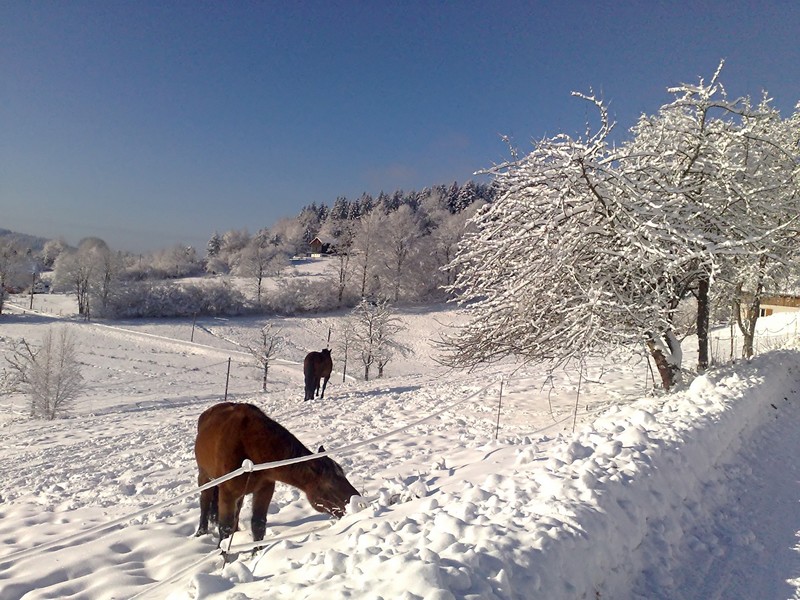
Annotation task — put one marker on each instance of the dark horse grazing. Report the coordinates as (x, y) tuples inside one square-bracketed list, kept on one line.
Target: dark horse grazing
[(227, 434), (316, 366)]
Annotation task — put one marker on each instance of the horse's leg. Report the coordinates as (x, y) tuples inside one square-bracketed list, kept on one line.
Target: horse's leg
[(324, 385), (213, 510), (206, 504), (316, 390), (309, 387), (261, 499), (228, 502)]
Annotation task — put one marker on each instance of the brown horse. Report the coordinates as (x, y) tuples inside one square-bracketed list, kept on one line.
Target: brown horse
[(227, 434), (316, 366)]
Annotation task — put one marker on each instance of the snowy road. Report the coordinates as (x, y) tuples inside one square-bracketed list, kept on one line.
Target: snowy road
[(749, 549)]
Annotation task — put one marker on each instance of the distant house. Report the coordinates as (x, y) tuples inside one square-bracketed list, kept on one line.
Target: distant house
[(319, 246), (779, 303)]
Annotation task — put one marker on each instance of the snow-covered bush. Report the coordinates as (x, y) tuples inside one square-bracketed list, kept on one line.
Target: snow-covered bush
[(169, 299), (301, 295), (169, 263)]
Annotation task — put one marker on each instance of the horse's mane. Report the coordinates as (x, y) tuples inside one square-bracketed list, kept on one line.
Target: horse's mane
[(295, 446)]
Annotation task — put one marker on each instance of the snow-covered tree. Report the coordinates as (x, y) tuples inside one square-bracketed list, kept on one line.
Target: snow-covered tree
[(176, 261), (769, 178), (89, 267), (231, 245), (400, 234), (290, 235), (309, 221), (12, 265), (373, 329), (342, 232), (448, 230), (51, 250), (723, 171), (371, 227), (561, 265), (213, 246), (49, 375), (262, 257), (590, 247)]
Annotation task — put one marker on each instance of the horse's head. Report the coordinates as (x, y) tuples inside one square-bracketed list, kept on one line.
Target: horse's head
[(330, 492)]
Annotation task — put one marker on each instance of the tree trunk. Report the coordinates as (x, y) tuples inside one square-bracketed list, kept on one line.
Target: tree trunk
[(668, 367), (363, 280), (747, 318), (747, 349), (344, 259), (703, 315)]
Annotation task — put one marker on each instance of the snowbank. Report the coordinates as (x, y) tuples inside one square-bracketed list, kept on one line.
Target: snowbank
[(617, 500)]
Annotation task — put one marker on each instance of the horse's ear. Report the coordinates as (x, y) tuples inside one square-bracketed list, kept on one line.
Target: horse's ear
[(321, 449)]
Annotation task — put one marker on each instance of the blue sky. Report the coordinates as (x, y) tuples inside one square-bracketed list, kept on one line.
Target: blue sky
[(154, 123)]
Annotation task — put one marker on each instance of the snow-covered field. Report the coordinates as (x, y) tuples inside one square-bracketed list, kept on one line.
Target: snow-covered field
[(688, 495)]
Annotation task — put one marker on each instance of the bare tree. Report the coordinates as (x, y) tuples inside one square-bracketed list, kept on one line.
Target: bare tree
[(344, 342), (265, 348), (49, 375)]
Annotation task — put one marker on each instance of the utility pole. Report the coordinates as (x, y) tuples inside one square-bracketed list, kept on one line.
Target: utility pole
[(33, 283)]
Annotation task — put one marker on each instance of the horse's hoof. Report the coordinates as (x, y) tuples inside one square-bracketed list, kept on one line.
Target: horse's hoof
[(201, 532)]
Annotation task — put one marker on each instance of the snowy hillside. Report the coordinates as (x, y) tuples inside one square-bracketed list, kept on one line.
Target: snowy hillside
[(690, 495)]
